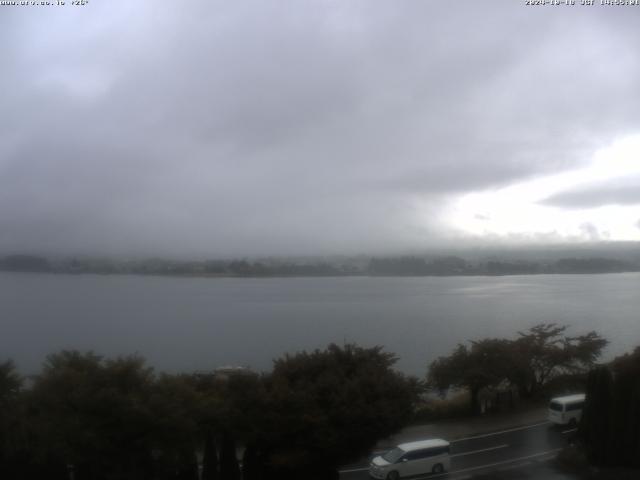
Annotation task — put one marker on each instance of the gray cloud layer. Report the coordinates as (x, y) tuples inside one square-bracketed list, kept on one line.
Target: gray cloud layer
[(619, 192), (223, 128)]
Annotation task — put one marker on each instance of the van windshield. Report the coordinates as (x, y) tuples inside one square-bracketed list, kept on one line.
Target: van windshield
[(556, 406), (392, 456)]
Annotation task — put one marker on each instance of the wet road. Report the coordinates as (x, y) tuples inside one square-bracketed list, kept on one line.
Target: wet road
[(521, 452)]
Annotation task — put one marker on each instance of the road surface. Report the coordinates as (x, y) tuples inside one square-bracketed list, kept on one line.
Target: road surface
[(511, 452)]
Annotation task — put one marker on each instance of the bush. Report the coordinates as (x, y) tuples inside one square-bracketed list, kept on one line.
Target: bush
[(572, 459), (454, 406)]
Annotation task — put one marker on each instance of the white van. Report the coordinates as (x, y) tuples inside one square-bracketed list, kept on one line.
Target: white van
[(566, 410), (413, 458)]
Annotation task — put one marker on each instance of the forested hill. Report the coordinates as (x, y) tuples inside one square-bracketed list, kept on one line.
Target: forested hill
[(415, 266), (344, 266)]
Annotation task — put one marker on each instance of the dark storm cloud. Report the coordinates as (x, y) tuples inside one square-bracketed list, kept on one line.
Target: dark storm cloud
[(620, 192), (223, 128)]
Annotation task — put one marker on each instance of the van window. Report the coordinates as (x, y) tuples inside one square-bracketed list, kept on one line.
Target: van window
[(425, 453), (575, 406), (417, 454), (556, 406), (392, 456), (441, 450)]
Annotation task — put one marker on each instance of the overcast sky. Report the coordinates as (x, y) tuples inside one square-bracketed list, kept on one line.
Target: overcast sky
[(208, 128)]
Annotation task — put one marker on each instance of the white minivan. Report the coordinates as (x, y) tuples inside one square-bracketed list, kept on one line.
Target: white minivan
[(566, 410), (413, 458)]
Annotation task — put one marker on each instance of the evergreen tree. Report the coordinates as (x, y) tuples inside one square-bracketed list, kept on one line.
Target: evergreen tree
[(251, 465), (487, 363), (188, 465), (329, 407), (625, 438), (596, 424), (229, 468), (210, 458)]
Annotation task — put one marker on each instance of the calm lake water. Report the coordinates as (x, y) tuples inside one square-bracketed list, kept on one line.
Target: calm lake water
[(186, 324)]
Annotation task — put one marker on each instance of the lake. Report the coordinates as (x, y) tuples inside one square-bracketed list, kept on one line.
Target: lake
[(186, 324)]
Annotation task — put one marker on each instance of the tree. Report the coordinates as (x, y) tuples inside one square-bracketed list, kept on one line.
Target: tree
[(116, 419), (24, 263), (610, 426), (528, 362), (596, 423), (229, 468), (544, 352), (113, 418), (174, 433), (486, 363), (626, 408), (10, 383), (231, 410), (10, 413), (251, 463), (64, 415), (329, 407), (210, 458)]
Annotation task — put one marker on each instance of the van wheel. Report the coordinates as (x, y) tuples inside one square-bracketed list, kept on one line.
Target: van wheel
[(437, 468), (393, 476), (573, 423)]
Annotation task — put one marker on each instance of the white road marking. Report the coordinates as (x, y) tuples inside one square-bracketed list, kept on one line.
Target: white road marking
[(478, 451), (543, 459), (490, 465), (513, 467), (364, 469), (353, 470), (570, 430), (501, 432), (480, 467)]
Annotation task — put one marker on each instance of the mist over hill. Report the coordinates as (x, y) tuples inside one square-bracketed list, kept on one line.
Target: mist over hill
[(489, 260)]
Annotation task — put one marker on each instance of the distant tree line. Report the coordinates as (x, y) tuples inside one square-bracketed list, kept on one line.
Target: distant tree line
[(390, 266), (24, 263), (240, 268), (418, 266), (85, 417)]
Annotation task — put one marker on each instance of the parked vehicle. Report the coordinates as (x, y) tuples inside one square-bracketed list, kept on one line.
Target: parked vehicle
[(566, 410), (413, 458)]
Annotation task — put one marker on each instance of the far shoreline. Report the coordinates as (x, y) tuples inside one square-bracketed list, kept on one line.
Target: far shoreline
[(253, 277)]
